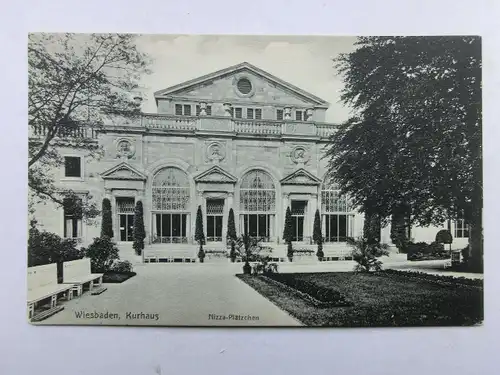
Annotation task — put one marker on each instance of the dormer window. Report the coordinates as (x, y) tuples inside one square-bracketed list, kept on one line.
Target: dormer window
[(300, 115), (254, 113), (183, 109)]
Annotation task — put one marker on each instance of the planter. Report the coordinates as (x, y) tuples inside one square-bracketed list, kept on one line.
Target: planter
[(201, 260), (290, 259), (233, 260)]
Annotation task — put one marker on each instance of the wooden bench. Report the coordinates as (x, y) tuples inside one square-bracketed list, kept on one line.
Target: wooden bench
[(77, 273), (42, 285)]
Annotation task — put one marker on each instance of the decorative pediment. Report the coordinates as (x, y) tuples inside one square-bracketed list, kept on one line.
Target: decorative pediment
[(216, 175), (300, 177), (244, 77), (123, 171)]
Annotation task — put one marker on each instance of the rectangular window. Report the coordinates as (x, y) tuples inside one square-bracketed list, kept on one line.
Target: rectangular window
[(169, 228), (258, 114), (279, 114), (72, 218), (337, 227), (238, 112), (187, 110), (215, 211), (72, 166), (208, 110), (257, 226), (299, 115), (178, 109), (461, 229), (250, 113)]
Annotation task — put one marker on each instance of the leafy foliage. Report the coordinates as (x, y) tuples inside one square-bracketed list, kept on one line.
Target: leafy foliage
[(415, 137), (122, 266), (107, 219), (102, 252), (76, 81), (288, 232), (139, 231), (366, 254), (46, 248), (317, 235), (444, 236)]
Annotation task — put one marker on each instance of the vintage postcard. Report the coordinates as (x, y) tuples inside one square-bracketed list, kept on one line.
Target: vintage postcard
[(218, 180)]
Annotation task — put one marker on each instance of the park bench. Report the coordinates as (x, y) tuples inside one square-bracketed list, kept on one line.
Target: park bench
[(42, 285), (77, 273)]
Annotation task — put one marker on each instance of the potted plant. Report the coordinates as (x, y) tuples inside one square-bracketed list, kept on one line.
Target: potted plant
[(199, 234), (318, 236)]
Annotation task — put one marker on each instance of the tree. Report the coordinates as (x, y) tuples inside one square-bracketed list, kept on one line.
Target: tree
[(371, 225), (75, 82), (199, 234), (102, 252), (444, 236), (414, 139), (231, 234), (317, 235), (288, 233), (139, 231), (107, 219)]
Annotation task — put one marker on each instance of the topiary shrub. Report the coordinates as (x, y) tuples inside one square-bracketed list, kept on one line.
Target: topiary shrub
[(199, 234), (102, 252), (444, 237), (318, 236), (139, 231), (107, 219), (288, 233), (231, 235)]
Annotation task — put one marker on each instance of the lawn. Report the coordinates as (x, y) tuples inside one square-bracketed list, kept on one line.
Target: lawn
[(377, 301)]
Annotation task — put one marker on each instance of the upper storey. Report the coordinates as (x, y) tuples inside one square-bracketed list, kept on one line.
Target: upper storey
[(241, 91)]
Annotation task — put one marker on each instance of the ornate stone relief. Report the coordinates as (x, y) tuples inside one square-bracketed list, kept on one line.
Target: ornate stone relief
[(125, 149), (216, 152), (300, 155)]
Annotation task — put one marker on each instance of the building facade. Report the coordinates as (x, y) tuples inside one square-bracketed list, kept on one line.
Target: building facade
[(238, 138)]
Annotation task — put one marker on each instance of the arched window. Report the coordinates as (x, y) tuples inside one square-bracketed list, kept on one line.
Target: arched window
[(257, 204), (337, 217), (170, 206)]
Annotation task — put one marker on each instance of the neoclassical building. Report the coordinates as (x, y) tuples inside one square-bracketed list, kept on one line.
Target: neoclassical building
[(237, 138)]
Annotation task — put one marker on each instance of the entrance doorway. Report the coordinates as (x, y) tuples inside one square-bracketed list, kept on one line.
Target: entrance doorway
[(125, 209), (215, 213), (299, 209)]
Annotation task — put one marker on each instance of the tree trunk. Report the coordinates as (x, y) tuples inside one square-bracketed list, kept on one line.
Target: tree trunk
[(476, 246)]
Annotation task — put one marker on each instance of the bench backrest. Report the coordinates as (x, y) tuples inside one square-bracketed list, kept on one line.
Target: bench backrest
[(75, 269), (40, 276)]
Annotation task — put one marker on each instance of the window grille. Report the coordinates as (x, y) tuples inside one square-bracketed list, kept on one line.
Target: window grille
[(170, 190), (215, 206), (299, 208), (125, 205), (257, 192), (279, 114), (332, 200)]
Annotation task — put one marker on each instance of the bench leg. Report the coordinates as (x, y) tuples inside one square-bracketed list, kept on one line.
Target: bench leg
[(100, 281), (31, 310), (69, 294), (53, 301), (91, 286)]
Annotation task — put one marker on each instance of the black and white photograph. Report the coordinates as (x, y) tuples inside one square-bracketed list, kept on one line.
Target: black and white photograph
[(254, 180)]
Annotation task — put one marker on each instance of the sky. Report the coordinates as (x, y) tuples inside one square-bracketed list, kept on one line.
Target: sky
[(303, 61)]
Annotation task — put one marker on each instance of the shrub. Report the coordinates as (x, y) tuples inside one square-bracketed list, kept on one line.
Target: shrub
[(366, 254), (288, 233), (122, 266), (231, 234), (465, 254), (444, 237), (139, 231), (317, 235), (425, 251), (107, 219), (103, 252), (199, 234), (45, 248), (317, 292)]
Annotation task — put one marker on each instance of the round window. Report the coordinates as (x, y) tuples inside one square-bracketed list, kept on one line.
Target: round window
[(244, 86)]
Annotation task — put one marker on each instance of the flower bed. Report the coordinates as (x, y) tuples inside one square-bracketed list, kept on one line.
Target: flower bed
[(316, 294), (114, 277), (438, 279)]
